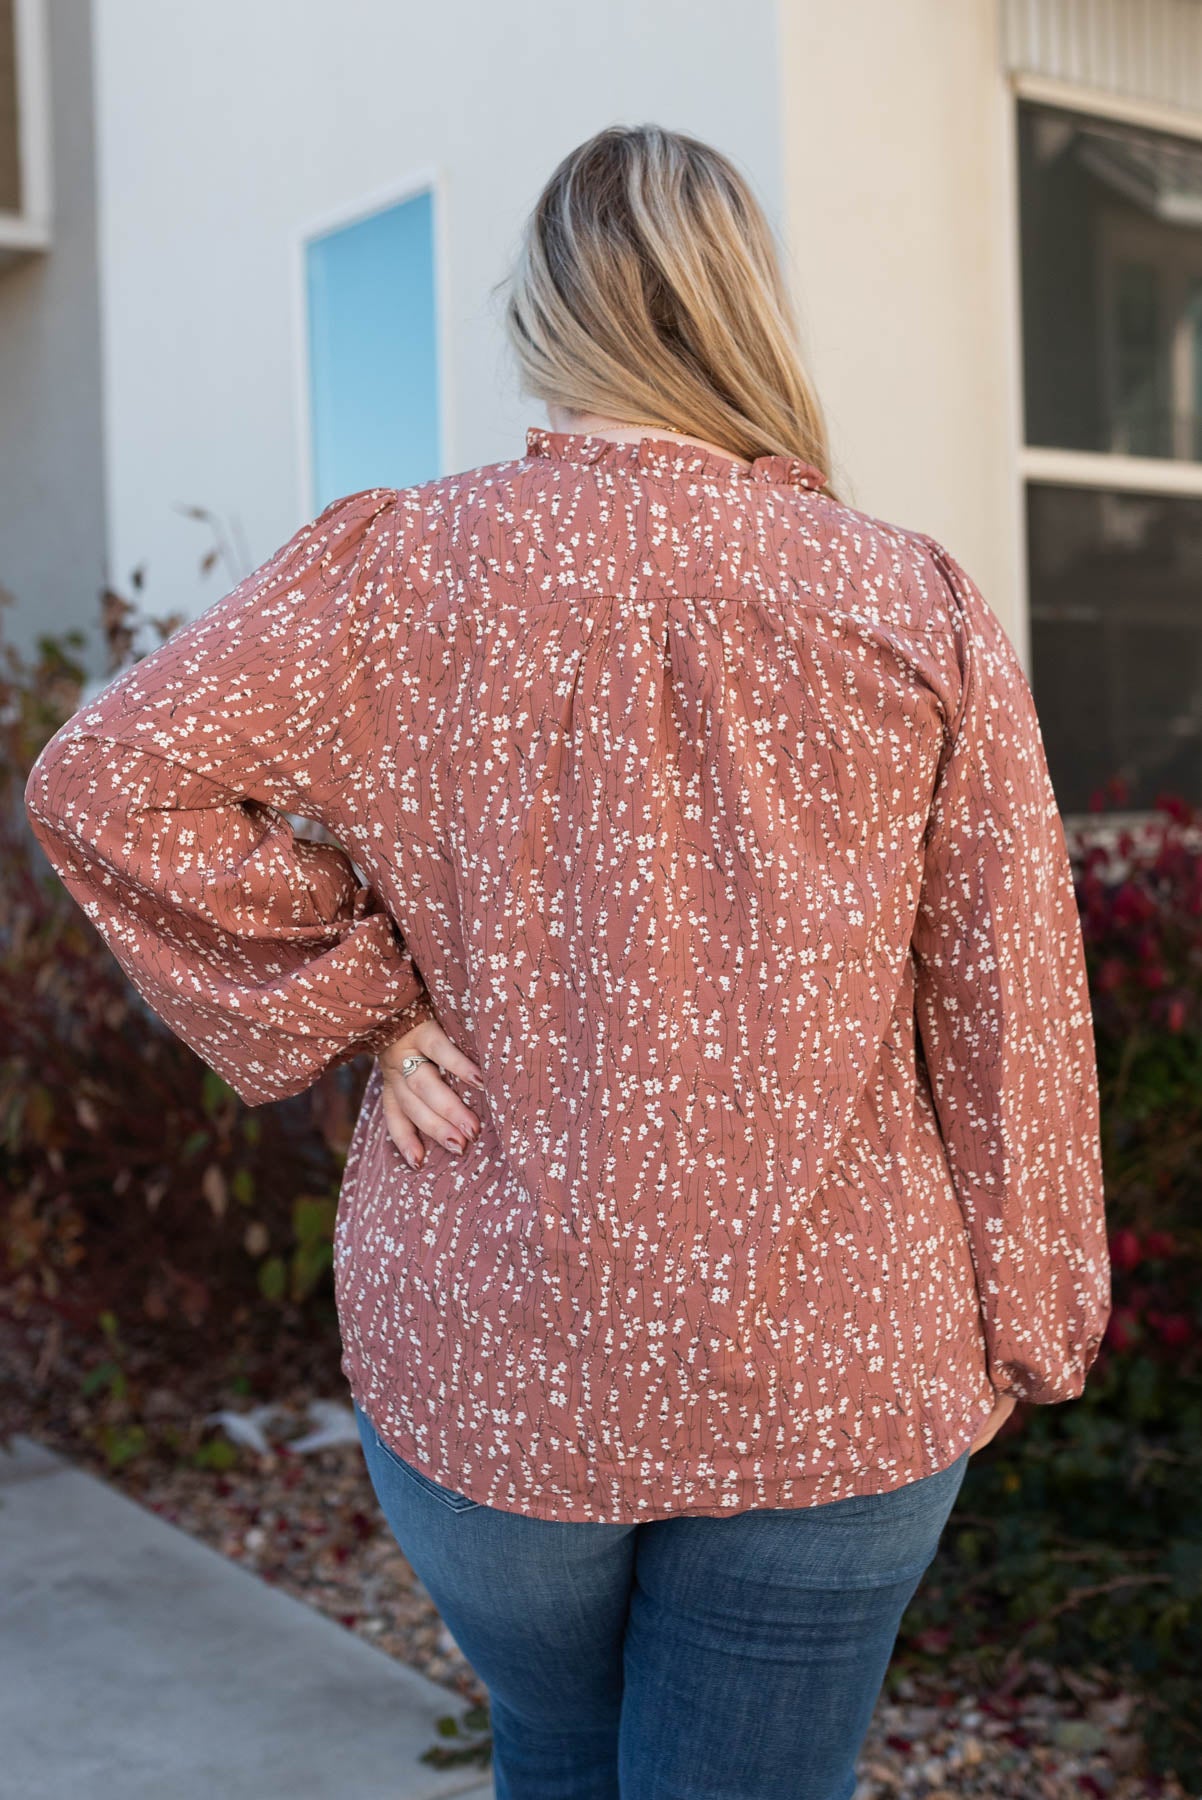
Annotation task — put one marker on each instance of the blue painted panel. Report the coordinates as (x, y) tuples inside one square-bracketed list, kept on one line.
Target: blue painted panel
[(373, 352)]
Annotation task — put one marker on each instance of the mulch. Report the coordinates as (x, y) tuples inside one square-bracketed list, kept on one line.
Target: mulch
[(310, 1525)]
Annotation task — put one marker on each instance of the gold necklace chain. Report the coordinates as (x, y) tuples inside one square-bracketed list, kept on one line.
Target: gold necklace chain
[(650, 424), (660, 425)]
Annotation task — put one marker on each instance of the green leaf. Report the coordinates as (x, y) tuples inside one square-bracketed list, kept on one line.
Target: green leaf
[(273, 1278), (313, 1219), (1079, 1736), (1143, 1389), (102, 1376), (218, 1454), (215, 1093), (1184, 1564), (121, 1443), (309, 1264)]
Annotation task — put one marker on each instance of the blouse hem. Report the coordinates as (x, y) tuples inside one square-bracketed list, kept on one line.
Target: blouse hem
[(747, 1494)]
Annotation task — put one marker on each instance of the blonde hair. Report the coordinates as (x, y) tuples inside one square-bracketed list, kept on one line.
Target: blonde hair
[(647, 287)]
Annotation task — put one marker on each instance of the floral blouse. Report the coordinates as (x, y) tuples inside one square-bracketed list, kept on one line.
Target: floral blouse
[(711, 817)]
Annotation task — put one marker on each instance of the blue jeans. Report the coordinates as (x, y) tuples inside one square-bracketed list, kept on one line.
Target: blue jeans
[(736, 1657)]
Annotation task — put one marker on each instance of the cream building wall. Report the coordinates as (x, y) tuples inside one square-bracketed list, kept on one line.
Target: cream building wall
[(900, 223)]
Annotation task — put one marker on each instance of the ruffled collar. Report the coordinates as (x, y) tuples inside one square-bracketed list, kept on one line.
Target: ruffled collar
[(661, 455)]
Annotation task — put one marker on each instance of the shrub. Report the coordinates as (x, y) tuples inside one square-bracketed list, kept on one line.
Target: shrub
[(138, 1184), (1077, 1536)]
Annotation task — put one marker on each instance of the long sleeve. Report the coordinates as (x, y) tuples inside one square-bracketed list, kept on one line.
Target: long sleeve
[(161, 805), (1004, 1016)]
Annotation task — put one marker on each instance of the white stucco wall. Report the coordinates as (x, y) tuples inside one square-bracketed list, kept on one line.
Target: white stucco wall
[(901, 227), (227, 130)]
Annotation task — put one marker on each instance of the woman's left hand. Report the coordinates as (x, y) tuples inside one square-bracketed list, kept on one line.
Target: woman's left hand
[(423, 1101), (1004, 1407)]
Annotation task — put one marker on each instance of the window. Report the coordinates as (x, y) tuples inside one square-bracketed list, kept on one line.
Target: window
[(1111, 261), (10, 112), (24, 131), (1116, 641), (373, 353)]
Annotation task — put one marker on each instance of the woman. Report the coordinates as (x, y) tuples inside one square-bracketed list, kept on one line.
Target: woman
[(729, 1166)]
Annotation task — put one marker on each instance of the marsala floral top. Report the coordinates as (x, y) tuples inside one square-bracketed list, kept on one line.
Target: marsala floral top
[(712, 817)]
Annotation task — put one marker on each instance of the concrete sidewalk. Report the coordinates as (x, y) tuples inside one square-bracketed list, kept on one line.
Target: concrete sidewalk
[(139, 1662)]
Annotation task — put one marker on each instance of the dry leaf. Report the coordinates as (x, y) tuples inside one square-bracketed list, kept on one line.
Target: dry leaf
[(213, 1187)]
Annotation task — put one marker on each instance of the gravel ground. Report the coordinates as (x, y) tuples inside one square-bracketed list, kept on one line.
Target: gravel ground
[(310, 1525)]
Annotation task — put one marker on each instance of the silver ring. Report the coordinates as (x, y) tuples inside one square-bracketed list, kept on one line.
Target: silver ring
[(413, 1061)]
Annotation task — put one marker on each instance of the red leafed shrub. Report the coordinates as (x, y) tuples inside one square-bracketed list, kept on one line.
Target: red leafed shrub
[(136, 1183), (1139, 889)]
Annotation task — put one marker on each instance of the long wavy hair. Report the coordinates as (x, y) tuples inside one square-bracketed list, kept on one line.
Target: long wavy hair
[(647, 287)]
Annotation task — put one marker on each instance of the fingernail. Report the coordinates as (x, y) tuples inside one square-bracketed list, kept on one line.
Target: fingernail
[(414, 1159), (454, 1143)]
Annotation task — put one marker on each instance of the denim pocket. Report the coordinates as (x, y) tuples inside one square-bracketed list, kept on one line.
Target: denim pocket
[(449, 1497)]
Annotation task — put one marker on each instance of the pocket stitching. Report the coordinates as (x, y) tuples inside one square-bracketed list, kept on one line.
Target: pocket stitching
[(450, 1497)]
